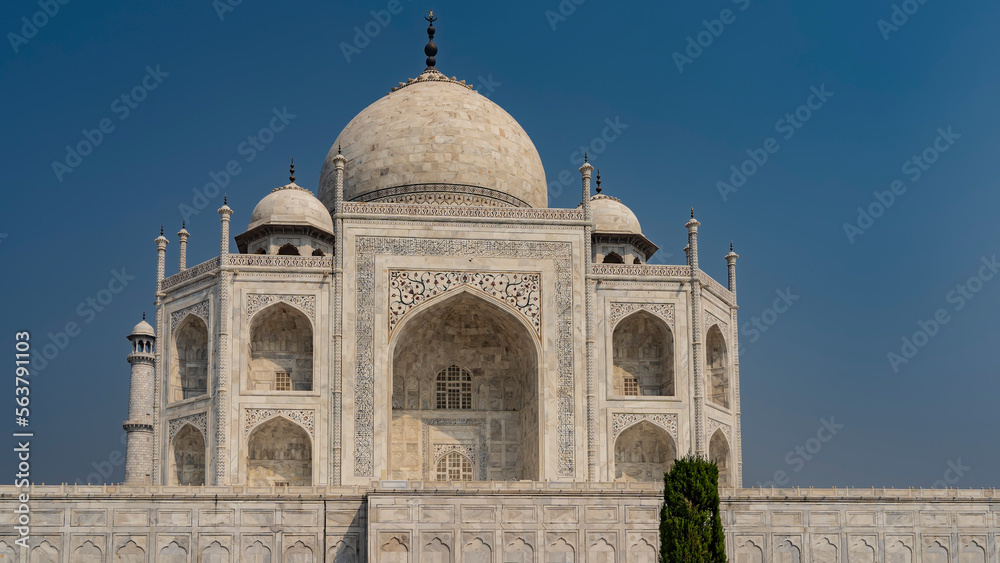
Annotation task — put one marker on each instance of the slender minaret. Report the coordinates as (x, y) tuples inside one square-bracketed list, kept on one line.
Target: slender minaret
[(696, 336), (161, 258), (139, 426), (731, 261), (221, 379), (183, 235), (588, 255), (336, 359), (734, 322)]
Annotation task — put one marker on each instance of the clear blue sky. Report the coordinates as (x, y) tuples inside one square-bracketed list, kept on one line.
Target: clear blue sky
[(887, 92)]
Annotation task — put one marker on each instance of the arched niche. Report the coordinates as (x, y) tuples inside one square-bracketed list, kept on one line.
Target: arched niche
[(487, 356), (718, 452), (717, 367), (281, 350), (279, 452), (642, 356), (613, 258), (188, 463), (288, 249), (189, 370), (644, 452)]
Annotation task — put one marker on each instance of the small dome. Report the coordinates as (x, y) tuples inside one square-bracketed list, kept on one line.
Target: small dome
[(435, 135), (612, 216), (291, 205), (143, 329)]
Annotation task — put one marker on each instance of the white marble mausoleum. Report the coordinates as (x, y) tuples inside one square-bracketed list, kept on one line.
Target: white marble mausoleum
[(418, 360)]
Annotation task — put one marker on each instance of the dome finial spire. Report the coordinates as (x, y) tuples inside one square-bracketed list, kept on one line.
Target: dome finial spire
[(585, 157), (430, 49), (598, 180), (291, 171), (144, 315)]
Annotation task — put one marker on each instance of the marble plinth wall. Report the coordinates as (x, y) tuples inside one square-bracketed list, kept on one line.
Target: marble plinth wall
[(414, 522)]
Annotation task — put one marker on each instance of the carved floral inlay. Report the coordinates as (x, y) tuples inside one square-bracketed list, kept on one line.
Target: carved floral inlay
[(253, 417), (199, 310), (714, 425), (408, 288), (621, 421), (663, 310), (257, 301), (199, 421)]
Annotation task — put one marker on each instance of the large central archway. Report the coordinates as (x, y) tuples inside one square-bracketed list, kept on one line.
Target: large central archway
[(464, 392)]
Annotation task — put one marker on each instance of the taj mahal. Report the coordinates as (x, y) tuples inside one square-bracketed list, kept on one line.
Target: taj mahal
[(418, 360)]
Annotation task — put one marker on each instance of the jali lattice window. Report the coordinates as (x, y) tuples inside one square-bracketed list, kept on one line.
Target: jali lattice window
[(454, 467), (282, 381), (631, 386), (454, 389)]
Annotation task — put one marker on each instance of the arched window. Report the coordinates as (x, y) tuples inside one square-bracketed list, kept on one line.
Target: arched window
[(717, 367), (281, 350), (288, 249), (613, 258), (280, 453), (454, 389), (718, 452), (643, 452), (189, 457), (318, 252), (642, 356), (454, 466), (260, 250), (189, 371), (637, 261)]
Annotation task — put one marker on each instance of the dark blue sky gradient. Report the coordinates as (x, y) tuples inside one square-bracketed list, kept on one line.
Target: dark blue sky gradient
[(825, 357)]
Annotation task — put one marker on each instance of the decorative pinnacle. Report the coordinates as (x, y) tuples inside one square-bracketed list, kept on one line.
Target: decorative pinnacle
[(161, 230), (584, 157), (730, 246), (225, 199), (183, 226), (430, 49), (144, 315), (338, 148), (692, 212), (598, 180), (291, 172)]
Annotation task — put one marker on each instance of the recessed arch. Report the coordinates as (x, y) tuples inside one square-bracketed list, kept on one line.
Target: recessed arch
[(500, 351), (288, 249), (187, 465), (720, 453), (642, 356), (279, 452), (280, 354), (717, 367), (613, 258), (189, 370), (643, 452)]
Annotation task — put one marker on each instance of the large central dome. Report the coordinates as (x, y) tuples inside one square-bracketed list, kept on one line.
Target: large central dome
[(436, 140)]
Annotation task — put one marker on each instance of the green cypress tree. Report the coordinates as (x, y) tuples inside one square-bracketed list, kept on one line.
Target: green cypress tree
[(690, 522)]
